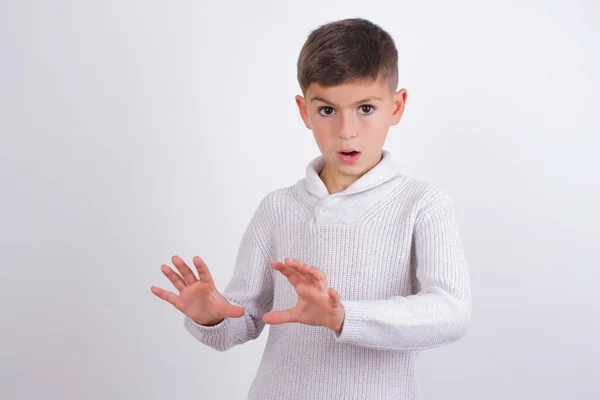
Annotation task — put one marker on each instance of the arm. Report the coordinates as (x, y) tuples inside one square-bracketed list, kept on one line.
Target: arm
[(251, 287), (438, 314)]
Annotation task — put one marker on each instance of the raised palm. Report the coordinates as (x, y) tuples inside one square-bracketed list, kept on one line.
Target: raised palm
[(198, 298), (317, 304)]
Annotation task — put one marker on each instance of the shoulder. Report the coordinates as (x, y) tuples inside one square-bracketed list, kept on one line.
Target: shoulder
[(276, 199), (268, 217), (423, 196), (272, 205)]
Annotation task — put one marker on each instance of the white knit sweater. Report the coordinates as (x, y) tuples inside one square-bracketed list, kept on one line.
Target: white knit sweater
[(389, 245)]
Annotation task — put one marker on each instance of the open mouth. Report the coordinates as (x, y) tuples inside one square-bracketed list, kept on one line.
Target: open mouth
[(349, 157)]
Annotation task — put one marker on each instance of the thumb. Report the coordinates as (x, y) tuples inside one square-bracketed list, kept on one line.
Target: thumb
[(280, 317), (235, 311)]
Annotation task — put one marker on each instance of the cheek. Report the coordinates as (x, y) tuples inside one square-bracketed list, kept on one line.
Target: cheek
[(322, 136), (321, 127), (374, 125)]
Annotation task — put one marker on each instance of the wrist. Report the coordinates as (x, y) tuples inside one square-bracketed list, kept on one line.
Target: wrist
[(210, 323), (339, 322)]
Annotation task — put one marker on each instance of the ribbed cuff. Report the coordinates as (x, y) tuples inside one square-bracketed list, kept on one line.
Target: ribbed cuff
[(353, 328), (196, 328)]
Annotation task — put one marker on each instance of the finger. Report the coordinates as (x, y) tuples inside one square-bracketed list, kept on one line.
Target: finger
[(186, 272), (334, 298), (288, 272), (203, 271), (306, 287), (164, 294), (234, 311), (308, 271), (307, 274), (174, 277), (312, 293), (280, 317), (299, 267)]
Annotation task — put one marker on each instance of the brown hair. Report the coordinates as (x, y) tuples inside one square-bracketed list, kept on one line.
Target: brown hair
[(345, 51)]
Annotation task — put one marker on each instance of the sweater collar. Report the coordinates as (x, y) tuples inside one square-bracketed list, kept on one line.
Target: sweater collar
[(382, 172)]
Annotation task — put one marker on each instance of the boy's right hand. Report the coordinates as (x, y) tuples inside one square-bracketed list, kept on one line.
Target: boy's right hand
[(199, 299)]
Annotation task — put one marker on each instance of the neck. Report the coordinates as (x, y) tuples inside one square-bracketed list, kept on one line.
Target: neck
[(337, 182)]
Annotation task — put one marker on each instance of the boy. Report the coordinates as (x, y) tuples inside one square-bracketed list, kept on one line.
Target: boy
[(357, 266)]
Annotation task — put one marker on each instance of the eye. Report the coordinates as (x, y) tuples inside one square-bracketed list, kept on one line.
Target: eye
[(328, 111), (367, 108)]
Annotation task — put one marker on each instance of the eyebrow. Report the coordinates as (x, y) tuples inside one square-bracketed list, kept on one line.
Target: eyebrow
[(358, 102)]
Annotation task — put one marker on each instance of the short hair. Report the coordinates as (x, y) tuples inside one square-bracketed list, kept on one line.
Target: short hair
[(346, 51)]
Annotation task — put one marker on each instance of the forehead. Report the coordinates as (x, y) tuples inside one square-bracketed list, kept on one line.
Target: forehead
[(347, 93)]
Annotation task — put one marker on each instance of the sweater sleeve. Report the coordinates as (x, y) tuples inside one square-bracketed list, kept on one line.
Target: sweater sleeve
[(439, 313), (250, 287)]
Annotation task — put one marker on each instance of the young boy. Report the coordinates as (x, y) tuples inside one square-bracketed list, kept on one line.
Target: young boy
[(357, 266)]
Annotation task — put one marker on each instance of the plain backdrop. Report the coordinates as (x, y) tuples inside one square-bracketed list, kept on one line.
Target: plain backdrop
[(132, 131)]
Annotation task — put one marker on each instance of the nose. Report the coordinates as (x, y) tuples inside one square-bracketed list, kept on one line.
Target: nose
[(348, 127)]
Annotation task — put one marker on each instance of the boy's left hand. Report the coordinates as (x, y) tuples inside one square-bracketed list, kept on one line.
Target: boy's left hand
[(318, 304)]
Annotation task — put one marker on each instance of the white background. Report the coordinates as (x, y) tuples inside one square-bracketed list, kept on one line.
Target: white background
[(133, 131)]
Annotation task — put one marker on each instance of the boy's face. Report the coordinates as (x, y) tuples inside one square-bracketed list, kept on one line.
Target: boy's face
[(354, 116)]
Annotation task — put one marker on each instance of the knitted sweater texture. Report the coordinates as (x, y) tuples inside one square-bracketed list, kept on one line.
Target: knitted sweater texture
[(389, 244)]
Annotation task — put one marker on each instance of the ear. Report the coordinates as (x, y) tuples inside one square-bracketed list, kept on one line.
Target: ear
[(399, 102), (303, 110)]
